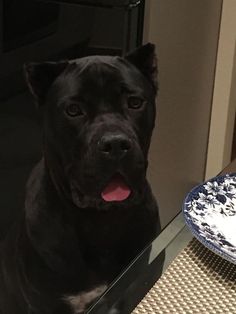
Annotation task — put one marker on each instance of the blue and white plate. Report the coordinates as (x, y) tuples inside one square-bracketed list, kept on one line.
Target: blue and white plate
[(210, 213)]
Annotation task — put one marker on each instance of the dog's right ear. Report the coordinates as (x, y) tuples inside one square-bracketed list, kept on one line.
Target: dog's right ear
[(40, 76), (144, 58)]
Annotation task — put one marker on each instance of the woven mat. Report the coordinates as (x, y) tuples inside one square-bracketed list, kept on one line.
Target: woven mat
[(197, 281)]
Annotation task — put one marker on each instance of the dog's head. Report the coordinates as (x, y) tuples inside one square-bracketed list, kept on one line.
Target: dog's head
[(99, 113)]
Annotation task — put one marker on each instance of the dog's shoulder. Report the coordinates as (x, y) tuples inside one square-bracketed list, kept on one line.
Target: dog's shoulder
[(11, 298)]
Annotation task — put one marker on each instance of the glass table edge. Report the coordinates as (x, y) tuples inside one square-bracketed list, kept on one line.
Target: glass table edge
[(156, 247)]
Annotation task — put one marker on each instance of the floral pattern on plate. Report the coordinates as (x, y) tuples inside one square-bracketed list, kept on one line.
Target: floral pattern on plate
[(210, 213)]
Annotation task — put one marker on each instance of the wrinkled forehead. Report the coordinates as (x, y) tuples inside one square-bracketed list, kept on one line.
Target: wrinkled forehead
[(99, 75)]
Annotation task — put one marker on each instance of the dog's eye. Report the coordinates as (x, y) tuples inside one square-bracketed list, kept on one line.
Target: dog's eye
[(73, 110), (135, 102)]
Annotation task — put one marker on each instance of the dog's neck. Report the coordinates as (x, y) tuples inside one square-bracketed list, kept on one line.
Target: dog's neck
[(53, 220)]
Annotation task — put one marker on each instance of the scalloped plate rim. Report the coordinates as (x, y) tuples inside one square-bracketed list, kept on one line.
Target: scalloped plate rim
[(213, 247)]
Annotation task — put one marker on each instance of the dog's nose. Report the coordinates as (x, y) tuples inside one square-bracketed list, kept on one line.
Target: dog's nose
[(114, 146)]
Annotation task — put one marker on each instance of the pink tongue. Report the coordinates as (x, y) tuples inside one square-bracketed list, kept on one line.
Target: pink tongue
[(116, 190)]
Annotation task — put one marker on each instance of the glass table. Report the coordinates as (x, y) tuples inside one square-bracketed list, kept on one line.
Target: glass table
[(131, 286)]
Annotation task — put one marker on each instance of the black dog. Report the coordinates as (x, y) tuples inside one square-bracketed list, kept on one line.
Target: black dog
[(89, 209)]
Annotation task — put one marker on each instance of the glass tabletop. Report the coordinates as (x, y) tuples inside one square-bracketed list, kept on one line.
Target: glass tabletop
[(123, 295), (130, 287)]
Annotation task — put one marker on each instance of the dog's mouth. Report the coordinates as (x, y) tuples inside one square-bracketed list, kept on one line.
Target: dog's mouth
[(117, 190)]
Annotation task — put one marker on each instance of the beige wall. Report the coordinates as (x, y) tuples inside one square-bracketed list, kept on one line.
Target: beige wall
[(224, 98), (186, 34)]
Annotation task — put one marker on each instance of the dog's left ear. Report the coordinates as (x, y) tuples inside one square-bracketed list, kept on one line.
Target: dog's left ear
[(40, 76), (144, 58)]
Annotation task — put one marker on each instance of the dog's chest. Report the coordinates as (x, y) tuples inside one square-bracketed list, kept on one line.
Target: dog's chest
[(80, 302), (103, 263)]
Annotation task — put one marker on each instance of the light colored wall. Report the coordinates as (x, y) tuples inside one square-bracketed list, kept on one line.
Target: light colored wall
[(186, 35), (224, 98)]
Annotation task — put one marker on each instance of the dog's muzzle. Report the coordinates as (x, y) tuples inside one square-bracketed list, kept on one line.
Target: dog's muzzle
[(114, 146), (112, 170)]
